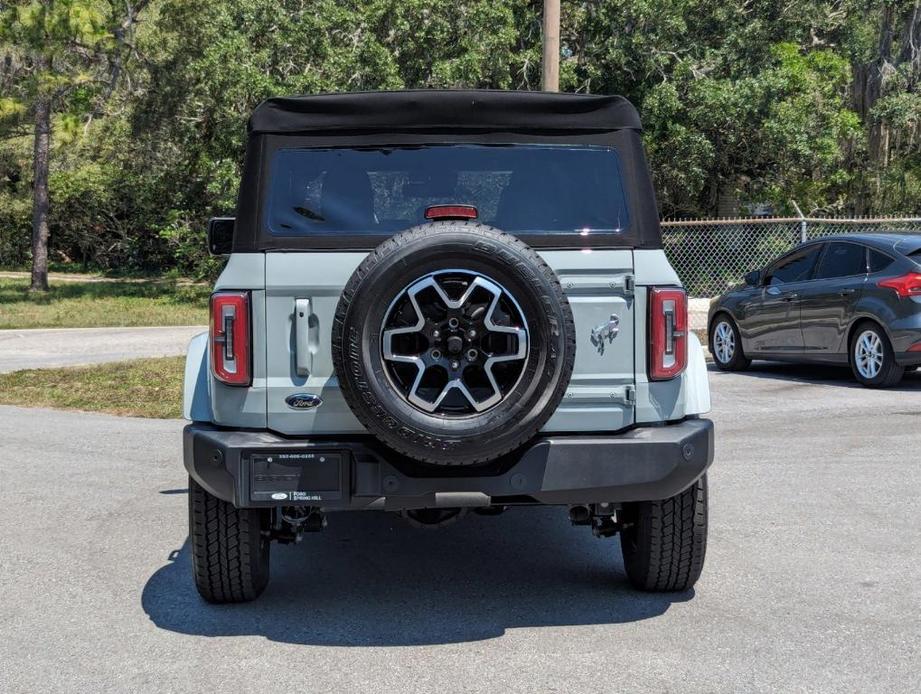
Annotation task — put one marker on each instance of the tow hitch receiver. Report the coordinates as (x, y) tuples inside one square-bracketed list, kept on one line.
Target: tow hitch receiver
[(293, 521), (602, 517)]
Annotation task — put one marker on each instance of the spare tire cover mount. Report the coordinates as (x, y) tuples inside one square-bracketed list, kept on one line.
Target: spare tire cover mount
[(453, 343)]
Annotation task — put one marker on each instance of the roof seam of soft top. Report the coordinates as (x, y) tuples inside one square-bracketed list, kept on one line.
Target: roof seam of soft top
[(432, 110)]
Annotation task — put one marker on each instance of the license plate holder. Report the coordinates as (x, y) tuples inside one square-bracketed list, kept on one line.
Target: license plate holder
[(296, 477)]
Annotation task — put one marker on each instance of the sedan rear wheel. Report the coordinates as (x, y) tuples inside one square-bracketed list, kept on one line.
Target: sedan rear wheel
[(726, 345), (872, 359)]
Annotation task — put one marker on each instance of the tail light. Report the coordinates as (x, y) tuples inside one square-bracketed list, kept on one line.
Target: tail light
[(230, 338), (905, 285), (668, 332)]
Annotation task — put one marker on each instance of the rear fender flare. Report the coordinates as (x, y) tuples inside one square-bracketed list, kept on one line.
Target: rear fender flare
[(196, 393), (696, 379)]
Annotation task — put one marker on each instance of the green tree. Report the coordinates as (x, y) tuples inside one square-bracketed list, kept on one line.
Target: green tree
[(207, 65), (69, 54), (743, 101)]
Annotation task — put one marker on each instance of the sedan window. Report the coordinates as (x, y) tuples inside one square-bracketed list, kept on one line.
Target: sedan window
[(843, 259), (793, 268), (879, 261)]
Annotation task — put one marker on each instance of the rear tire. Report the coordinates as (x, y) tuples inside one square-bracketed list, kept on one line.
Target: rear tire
[(872, 359), (230, 548), (726, 345), (665, 543)]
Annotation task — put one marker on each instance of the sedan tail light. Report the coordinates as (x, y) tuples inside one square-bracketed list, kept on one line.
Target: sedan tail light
[(668, 332), (905, 285), (230, 338)]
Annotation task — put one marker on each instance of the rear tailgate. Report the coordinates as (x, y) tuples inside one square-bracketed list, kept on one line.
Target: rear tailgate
[(601, 394), (302, 290)]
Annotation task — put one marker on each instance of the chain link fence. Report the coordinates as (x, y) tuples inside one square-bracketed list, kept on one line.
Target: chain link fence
[(711, 254)]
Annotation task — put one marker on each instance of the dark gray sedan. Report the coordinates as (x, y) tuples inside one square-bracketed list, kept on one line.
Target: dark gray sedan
[(852, 299)]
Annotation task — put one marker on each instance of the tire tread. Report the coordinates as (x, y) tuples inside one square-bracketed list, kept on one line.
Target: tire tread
[(229, 554), (671, 541)]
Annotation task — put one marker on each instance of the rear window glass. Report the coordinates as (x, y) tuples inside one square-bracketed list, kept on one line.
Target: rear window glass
[(880, 261), (842, 260), (539, 189)]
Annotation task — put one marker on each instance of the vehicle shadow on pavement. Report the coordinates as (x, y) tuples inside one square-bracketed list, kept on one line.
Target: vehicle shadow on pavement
[(820, 374), (370, 579)]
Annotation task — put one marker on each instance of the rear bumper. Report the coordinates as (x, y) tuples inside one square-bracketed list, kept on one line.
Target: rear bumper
[(641, 464), (908, 358), (905, 333)]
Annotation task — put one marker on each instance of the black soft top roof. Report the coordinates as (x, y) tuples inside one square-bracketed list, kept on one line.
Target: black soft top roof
[(416, 118), (437, 109)]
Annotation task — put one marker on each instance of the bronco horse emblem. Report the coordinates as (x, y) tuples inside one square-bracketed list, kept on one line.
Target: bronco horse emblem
[(606, 332)]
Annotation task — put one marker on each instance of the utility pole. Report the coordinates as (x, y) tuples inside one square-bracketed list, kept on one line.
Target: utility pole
[(550, 66)]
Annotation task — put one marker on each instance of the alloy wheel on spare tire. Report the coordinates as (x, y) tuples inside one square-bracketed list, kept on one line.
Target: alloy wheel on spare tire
[(453, 343)]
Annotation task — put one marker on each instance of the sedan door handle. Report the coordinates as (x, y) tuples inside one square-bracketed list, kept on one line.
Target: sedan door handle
[(789, 297), (845, 292)]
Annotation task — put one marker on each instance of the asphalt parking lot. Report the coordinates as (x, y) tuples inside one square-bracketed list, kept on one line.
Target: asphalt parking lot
[(812, 582), (45, 348)]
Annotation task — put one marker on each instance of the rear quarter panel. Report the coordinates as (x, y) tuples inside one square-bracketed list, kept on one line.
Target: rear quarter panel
[(901, 318), (675, 399), (234, 406)]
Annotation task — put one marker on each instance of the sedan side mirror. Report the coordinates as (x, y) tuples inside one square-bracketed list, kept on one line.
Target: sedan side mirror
[(220, 235), (753, 278)]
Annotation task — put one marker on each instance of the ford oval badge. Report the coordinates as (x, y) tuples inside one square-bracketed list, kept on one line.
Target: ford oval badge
[(304, 401)]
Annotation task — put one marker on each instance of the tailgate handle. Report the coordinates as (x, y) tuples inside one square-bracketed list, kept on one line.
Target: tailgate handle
[(306, 330)]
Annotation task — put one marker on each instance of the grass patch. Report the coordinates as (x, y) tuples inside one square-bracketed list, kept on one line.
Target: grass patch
[(136, 388), (106, 304)]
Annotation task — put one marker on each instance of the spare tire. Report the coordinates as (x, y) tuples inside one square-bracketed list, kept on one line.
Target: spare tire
[(453, 343)]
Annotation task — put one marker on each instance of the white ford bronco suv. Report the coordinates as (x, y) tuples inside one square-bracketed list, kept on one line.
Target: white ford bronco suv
[(438, 302)]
